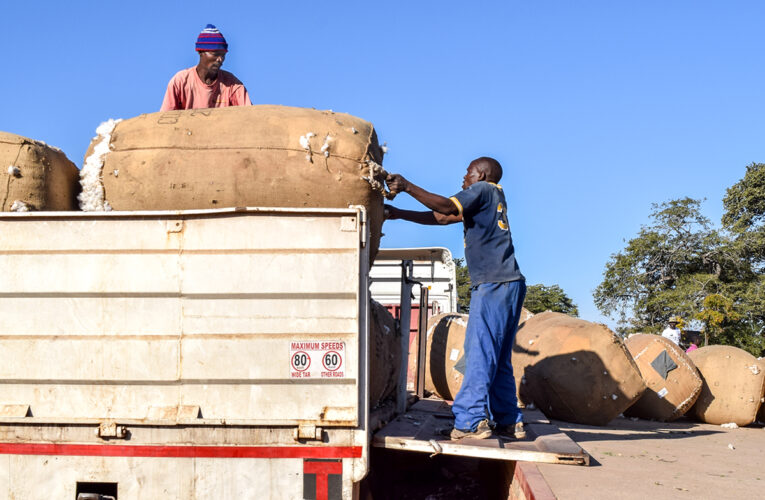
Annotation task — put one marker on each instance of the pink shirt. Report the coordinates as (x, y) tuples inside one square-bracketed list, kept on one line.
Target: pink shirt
[(187, 91)]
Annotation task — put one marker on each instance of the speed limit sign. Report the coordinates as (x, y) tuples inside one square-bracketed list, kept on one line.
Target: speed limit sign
[(317, 359)]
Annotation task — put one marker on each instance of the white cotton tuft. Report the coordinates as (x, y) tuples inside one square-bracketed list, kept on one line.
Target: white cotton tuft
[(19, 206), (731, 447), (614, 397), (353, 129), (116, 173), (731, 425), (92, 196), (755, 369), (305, 143), (384, 148), (14, 171), (325, 146)]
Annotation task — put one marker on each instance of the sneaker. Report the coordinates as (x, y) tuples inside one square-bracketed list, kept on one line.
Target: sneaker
[(516, 431), (482, 431)]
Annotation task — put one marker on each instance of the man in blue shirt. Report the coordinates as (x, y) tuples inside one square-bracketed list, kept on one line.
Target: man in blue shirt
[(487, 394)]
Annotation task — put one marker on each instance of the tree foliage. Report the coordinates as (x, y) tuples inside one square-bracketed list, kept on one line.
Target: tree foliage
[(678, 264), (540, 298), (463, 286)]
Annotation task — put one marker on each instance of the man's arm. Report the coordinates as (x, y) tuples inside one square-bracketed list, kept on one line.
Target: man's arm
[(440, 204), (427, 218)]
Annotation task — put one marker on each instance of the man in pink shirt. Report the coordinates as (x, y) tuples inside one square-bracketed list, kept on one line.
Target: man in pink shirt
[(206, 85)]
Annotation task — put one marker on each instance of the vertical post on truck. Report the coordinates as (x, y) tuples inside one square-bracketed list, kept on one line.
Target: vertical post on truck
[(407, 268)]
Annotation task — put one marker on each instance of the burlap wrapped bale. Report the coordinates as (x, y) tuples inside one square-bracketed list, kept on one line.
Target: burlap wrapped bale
[(733, 385), (384, 354), (575, 370), (672, 381), (761, 413), (43, 177), (265, 156), (445, 348), (446, 339)]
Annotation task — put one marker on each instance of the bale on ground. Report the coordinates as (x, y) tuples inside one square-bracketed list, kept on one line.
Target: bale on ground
[(574, 370), (761, 413), (384, 355), (36, 176), (672, 381), (734, 382), (265, 156)]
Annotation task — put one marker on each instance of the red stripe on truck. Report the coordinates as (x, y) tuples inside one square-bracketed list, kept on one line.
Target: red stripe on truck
[(107, 450)]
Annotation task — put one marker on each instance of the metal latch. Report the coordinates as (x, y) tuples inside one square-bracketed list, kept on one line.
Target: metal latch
[(111, 430), (308, 432)]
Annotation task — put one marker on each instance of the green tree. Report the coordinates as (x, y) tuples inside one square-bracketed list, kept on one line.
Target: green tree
[(540, 298), (463, 286), (667, 269)]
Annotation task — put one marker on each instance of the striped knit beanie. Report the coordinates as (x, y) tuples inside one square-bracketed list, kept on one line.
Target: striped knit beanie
[(211, 39)]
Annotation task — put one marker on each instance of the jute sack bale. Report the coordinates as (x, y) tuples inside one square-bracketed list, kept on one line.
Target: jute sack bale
[(385, 354), (446, 340), (264, 156), (761, 413), (672, 381), (36, 176), (575, 370), (445, 350), (733, 385)]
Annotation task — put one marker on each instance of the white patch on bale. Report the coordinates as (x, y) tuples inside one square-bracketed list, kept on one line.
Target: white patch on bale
[(614, 397), (353, 129), (19, 206), (755, 369), (731, 447), (531, 341), (14, 171), (384, 148), (116, 173), (325, 146), (731, 425), (305, 143), (460, 322), (92, 196)]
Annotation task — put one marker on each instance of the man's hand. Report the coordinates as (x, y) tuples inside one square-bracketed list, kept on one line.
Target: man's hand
[(396, 183)]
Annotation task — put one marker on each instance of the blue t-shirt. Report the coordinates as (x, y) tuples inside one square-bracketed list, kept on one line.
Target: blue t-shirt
[(488, 244)]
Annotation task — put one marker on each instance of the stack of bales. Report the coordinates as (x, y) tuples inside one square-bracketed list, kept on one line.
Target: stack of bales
[(672, 381), (734, 384), (574, 370), (35, 176)]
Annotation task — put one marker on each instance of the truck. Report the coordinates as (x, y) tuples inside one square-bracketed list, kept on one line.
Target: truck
[(200, 354)]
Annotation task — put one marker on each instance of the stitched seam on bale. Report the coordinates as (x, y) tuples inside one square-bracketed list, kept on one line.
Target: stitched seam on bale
[(258, 148)]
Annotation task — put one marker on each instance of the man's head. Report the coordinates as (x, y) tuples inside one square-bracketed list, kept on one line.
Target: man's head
[(482, 169), (212, 48)]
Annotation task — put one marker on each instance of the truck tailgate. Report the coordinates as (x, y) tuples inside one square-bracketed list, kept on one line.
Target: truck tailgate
[(231, 316)]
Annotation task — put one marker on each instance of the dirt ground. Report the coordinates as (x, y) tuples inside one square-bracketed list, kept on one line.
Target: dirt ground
[(638, 459)]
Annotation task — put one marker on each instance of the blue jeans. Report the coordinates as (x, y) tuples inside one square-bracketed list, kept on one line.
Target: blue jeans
[(488, 388)]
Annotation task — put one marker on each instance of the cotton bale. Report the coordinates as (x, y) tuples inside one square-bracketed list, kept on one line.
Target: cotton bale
[(385, 354), (444, 359), (36, 176), (672, 381), (574, 370), (264, 156), (734, 382)]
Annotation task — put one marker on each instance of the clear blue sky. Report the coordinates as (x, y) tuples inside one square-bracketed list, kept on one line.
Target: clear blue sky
[(596, 109)]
